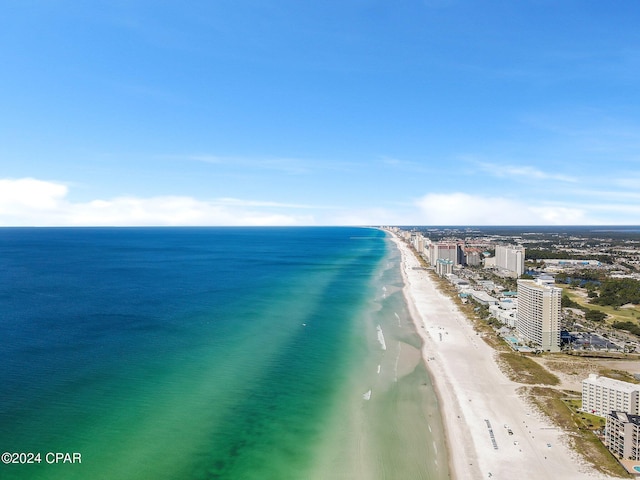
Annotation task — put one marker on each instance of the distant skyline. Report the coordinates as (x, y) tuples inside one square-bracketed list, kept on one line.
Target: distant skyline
[(351, 112)]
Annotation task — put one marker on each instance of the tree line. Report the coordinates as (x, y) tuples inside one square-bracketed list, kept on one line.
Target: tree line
[(545, 253), (616, 292)]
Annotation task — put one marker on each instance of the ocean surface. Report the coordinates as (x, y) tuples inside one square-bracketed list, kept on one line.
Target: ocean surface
[(211, 353)]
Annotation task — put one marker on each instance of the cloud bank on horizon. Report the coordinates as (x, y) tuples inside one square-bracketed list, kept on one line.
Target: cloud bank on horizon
[(31, 202), (356, 112)]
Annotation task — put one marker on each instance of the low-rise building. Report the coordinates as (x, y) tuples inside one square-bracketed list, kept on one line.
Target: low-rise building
[(506, 316), (487, 285), (563, 263), (483, 298), (602, 395)]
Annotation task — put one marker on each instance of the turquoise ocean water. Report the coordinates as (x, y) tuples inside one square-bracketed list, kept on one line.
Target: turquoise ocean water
[(211, 353)]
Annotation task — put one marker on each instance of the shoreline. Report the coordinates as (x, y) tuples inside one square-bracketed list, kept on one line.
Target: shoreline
[(490, 430)]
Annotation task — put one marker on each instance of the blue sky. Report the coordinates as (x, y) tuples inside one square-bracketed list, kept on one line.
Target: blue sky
[(289, 112)]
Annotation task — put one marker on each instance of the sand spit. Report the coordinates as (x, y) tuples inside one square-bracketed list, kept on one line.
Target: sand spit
[(491, 431)]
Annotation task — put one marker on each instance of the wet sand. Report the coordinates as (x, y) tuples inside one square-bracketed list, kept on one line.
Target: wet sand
[(491, 431), (387, 424)]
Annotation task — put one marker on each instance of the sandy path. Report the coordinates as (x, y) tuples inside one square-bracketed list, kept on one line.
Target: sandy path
[(479, 404)]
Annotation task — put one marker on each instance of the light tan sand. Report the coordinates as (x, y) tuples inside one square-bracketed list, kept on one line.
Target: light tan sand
[(478, 402)]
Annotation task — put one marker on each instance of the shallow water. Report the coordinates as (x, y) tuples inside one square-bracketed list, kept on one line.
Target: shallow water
[(212, 353)]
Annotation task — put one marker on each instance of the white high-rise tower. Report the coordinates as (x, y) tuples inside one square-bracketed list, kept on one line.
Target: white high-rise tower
[(539, 308)]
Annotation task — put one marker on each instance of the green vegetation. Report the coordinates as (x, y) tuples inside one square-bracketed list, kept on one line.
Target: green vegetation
[(588, 274), (522, 369), (614, 313), (618, 375), (589, 314), (544, 253), (619, 291), (583, 419), (567, 302), (594, 315), (564, 413), (630, 327)]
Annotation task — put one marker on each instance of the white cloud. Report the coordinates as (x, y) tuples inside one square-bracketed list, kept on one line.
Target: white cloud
[(43, 203), (465, 209), (26, 194), (532, 172), (523, 171), (33, 202)]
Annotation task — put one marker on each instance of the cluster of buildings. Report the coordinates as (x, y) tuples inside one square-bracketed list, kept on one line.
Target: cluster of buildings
[(534, 310), (507, 258), (619, 403), (531, 314)]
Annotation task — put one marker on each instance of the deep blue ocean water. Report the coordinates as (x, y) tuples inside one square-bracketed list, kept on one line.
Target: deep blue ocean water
[(182, 353)]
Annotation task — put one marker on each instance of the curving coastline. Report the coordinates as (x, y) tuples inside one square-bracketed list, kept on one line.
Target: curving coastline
[(491, 431)]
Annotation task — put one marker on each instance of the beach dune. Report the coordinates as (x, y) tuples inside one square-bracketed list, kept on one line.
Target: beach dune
[(491, 431)]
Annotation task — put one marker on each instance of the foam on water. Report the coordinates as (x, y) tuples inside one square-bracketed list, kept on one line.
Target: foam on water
[(381, 337), (175, 366)]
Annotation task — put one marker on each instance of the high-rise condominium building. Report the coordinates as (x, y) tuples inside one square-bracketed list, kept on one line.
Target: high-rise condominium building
[(622, 435), (444, 251), (510, 258), (538, 317)]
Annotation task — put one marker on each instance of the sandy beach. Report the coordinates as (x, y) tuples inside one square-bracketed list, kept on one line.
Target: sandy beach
[(491, 431)]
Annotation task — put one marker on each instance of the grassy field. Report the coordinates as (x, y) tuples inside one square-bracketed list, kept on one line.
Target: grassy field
[(584, 420), (522, 369), (614, 315), (577, 367)]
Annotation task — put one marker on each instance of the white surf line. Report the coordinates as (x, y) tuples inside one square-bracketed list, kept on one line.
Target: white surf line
[(435, 448), (378, 369), (367, 395), (398, 317), (381, 337)]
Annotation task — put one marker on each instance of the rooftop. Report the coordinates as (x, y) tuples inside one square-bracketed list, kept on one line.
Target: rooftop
[(625, 417), (612, 383)]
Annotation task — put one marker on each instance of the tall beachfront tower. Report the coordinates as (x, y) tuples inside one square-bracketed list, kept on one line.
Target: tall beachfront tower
[(444, 251), (510, 258), (538, 317)]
